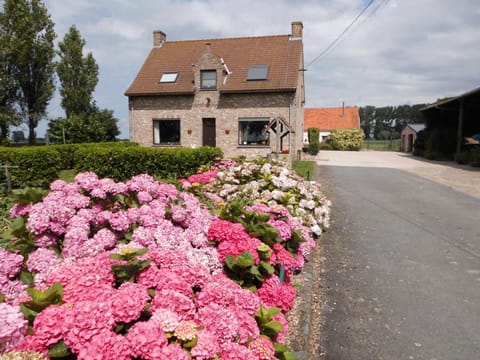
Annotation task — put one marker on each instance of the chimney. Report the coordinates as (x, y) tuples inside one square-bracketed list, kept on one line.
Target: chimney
[(159, 38), (297, 30)]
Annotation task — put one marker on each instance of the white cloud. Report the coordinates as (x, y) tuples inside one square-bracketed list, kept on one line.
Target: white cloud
[(399, 52)]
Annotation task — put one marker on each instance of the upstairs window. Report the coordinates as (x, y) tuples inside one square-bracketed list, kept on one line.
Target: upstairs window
[(169, 77), (208, 79), (257, 72)]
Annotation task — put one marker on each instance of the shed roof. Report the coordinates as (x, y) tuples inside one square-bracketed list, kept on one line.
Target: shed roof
[(281, 53), (327, 119), (416, 127)]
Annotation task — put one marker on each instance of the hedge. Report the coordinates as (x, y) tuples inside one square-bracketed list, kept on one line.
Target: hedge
[(36, 166), (346, 139), (164, 163)]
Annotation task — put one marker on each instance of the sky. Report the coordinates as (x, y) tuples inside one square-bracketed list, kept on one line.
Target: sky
[(398, 52)]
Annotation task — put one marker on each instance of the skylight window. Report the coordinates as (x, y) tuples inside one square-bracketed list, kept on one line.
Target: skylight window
[(257, 72), (169, 77)]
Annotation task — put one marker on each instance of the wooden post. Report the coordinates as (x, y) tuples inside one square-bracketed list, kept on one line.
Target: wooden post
[(460, 126), (7, 176)]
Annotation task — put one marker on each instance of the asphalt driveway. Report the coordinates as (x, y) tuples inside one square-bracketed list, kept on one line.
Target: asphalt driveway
[(401, 275)]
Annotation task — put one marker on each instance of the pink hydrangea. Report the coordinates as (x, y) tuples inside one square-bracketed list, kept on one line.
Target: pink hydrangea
[(174, 351), (10, 263), (86, 321), (47, 326), (219, 321), (13, 290), (281, 337), (129, 301), (225, 292), (106, 345), (13, 325), (207, 346), (174, 301), (223, 230), (147, 340), (274, 293), (167, 320), (235, 351), (263, 348)]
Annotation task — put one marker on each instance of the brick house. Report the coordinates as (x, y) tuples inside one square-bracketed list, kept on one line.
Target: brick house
[(328, 119), (409, 135), (244, 95)]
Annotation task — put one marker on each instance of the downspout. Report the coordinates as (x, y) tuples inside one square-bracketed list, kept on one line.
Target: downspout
[(132, 121)]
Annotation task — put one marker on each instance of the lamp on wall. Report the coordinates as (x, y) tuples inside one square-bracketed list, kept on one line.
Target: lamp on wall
[(227, 131), (189, 131)]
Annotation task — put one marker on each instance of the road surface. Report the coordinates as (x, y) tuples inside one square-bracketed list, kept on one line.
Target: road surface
[(401, 278)]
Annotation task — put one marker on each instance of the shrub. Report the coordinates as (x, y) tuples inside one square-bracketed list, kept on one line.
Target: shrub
[(474, 158), (37, 166), (440, 144), (313, 135), (346, 139), (325, 146), (419, 145), (314, 148), (120, 163), (462, 157)]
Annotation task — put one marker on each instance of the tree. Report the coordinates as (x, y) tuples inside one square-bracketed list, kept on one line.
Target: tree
[(8, 96), (95, 126), (78, 75), (30, 31)]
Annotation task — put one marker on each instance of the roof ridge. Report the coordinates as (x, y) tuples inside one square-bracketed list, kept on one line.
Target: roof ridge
[(227, 38)]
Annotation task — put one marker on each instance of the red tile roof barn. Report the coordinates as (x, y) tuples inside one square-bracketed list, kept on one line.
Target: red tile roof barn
[(281, 53), (327, 119)]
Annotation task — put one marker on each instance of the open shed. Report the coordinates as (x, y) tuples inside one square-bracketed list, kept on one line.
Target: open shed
[(461, 114)]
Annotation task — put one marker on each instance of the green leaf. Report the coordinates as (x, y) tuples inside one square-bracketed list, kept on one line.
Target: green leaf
[(2, 298), (245, 259), (271, 328), (280, 347), (59, 350), (266, 267), (26, 277), (230, 262)]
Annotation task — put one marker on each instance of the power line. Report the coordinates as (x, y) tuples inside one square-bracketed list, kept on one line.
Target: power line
[(340, 36)]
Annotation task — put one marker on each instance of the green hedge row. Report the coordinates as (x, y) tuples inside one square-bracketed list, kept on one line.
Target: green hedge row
[(38, 166), (165, 163)]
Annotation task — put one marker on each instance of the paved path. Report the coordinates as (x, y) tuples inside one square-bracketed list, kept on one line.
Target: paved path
[(402, 268)]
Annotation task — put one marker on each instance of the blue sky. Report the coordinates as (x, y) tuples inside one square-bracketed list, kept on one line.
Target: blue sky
[(398, 52)]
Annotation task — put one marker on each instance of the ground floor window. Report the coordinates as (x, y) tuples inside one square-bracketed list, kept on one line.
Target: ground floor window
[(253, 131), (166, 132)]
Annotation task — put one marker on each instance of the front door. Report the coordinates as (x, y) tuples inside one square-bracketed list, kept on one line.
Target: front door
[(209, 132)]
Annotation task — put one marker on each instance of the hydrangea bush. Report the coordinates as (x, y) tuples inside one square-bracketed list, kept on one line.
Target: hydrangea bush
[(265, 182), (105, 270)]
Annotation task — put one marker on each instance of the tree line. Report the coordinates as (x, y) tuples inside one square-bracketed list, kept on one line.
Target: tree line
[(29, 67), (387, 122)]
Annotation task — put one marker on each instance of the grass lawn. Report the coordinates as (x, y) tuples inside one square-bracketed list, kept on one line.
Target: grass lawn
[(304, 168)]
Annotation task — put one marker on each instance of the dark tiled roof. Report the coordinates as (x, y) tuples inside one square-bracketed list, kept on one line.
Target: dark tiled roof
[(281, 54), (332, 118)]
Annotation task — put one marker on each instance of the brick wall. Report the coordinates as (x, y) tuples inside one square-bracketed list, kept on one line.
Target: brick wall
[(226, 109)]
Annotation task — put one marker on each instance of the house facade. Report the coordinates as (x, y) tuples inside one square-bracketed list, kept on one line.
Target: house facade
[(243, 95), (328, 119)]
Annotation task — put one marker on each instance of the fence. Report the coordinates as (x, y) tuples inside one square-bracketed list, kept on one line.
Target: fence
[(382, 145)]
